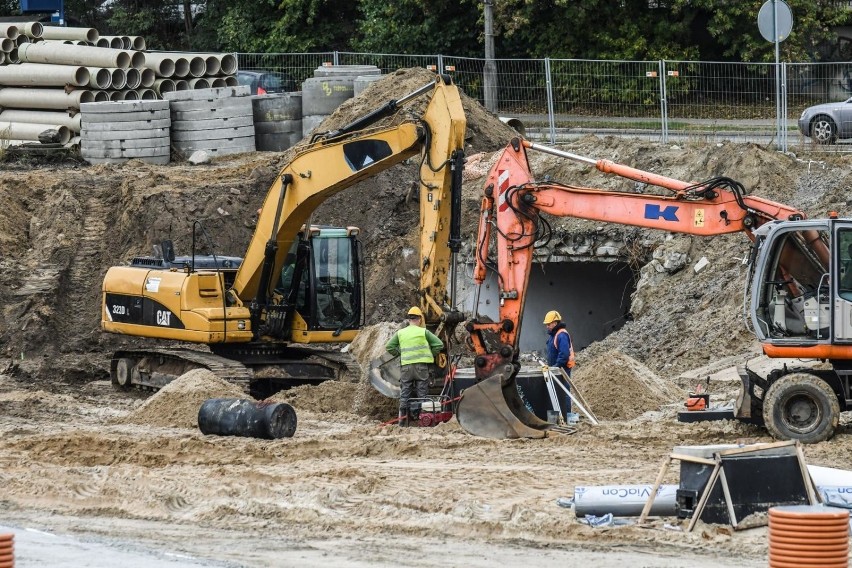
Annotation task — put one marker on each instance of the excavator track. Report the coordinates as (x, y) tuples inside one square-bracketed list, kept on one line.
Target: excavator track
[(259, 369)]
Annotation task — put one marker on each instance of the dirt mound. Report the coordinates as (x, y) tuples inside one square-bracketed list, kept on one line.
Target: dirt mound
[(618, 387), (369, 345), (176, 405), (327, 397)]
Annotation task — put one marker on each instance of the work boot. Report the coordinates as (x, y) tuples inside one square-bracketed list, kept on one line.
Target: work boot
[(402, 422)]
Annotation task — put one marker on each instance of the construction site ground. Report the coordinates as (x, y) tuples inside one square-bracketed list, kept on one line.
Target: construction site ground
[(116, 477)]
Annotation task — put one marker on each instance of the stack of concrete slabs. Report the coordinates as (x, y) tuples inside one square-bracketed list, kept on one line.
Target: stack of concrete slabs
[(115, 132), (218, 121)]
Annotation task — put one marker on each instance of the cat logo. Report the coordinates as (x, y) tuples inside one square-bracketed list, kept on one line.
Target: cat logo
[(164, 318)]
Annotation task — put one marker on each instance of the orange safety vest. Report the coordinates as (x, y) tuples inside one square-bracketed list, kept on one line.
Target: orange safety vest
[(571, 360)]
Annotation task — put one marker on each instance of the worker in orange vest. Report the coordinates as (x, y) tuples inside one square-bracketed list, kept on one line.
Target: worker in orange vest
[(560, 352)]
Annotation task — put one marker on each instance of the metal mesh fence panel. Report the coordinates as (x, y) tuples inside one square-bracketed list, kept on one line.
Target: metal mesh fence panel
[(299, 65), (606, 97), (812, 84), (387, 62), (708, 101)]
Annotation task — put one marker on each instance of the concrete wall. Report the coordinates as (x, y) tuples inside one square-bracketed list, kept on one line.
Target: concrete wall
[(592, 298)]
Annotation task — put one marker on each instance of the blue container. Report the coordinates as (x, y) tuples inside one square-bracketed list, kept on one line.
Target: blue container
[(41, 5)]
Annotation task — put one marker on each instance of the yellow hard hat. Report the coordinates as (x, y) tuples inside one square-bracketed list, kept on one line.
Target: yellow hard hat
[(415, 311), (552, 316)]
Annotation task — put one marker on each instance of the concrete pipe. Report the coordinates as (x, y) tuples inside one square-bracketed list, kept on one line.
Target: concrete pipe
[(217, 82), (100, 97), (197, 66), (147, 77), (82, 42), (181, 67), (131, 96), (118, 79), (32, 30), (227, 63), (199, 83), (99, 78), (161, 86), (102, 42), (9, 31), (82, 34), (137, 43), (58, 54), (58, 99), (213, 65), (146, 94), (13, 57), (114, 42), (116, 96), (232, 81), (35, 75), (72, 121), (21, 39), (28, 131), (181, 85), (126, 42), (137, 59), (514, 123), (134, 78), (2, 58), (7, 45), (162, 65)]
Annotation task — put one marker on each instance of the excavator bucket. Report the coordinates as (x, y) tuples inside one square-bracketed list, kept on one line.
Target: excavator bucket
[(384, 375), (493, 409)]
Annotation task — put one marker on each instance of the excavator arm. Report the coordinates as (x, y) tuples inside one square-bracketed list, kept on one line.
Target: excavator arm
[(510, 214)]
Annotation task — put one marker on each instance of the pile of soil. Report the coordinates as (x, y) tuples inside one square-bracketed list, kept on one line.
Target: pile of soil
[(618, 387), (176, 405)]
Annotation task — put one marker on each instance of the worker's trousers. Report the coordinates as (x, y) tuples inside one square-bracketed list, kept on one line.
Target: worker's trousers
[(566, 406), (414, 377)]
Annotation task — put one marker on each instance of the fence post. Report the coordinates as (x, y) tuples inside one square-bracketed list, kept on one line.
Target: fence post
[(440, 64), (550, 114), (336, 58), (784, 106), (664, 111)]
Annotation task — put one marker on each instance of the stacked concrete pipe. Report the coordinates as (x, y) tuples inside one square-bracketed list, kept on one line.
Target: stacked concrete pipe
[(217, 121), (327, 89), (119, 131), (277, 121)]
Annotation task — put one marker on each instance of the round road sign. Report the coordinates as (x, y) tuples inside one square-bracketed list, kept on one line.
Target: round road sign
[(784, 23)]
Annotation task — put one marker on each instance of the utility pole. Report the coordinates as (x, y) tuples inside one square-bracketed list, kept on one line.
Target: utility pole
[(489, 73)]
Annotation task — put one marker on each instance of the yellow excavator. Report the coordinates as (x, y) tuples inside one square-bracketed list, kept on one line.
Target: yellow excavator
[(298, 284)]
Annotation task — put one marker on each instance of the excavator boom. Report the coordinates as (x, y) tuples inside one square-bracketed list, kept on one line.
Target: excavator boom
[(510, 214)]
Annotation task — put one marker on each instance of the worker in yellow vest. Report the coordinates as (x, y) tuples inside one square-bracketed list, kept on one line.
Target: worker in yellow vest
[(560, 352), (416, 347)]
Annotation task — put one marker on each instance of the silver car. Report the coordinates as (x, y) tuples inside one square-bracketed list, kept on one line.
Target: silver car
[(827, 122)]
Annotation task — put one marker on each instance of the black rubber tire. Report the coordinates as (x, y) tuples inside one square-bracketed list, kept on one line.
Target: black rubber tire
[(803, 407), (123, 372), (823, 129)]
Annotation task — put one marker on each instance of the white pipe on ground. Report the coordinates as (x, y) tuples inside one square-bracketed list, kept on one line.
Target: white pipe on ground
[(181, 67), (7, 45), (114, 42), (146, 94), (134, 79), (116, 95), (12, 56), (20, 97), (118, 79), (72, 121), (213, 65), (137, 43), (29, 131), (197, 66), (21, 39), (199, 83), (58, 32), (127, 42), (131, 96), (232, 81), (35, 75), (101, 96), (218, 82), (181, 85)]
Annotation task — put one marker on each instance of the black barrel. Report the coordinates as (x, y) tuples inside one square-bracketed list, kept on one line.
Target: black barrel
[(248, 418)]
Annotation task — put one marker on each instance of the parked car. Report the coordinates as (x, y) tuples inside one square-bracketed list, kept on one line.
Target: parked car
[(266, 82), (826, 123)]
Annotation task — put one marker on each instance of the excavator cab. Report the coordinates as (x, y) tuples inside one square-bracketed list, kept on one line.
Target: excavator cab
[(322, 278)]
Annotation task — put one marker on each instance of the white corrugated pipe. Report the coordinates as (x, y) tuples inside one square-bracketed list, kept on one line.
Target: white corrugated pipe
[(60, 54), (20, 97), (78, 34), (162, 65), (29, 131), (35, 75), (72, 121)]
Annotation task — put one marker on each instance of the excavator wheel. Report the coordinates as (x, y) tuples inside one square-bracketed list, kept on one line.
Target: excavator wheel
[(123, 372), (803, 407)]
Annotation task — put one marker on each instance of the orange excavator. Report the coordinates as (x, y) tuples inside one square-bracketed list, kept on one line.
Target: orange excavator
[(800, 307)]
